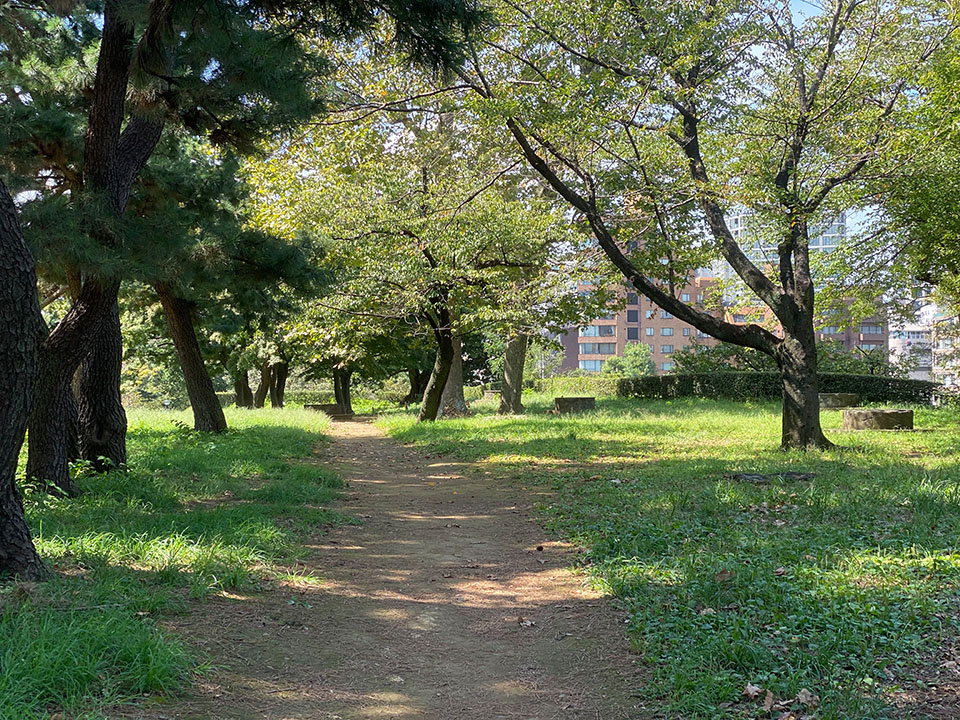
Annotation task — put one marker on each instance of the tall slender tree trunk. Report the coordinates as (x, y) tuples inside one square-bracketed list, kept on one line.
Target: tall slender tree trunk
[(102, 420), (278, 383), (452, 401), (243, 395), (260, 396), (797, 359), (511, 390), (207, 413), (21, 331), (430, 405)]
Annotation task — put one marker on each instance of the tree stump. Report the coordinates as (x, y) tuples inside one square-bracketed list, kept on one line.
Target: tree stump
[(491, 394), (839, 400), (573, 404), (861, 419)]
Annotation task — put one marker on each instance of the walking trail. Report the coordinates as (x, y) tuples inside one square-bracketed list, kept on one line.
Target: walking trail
[(441, 605)]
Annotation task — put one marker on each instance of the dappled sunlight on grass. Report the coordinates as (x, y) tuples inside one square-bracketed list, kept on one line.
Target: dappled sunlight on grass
[(839, 583)]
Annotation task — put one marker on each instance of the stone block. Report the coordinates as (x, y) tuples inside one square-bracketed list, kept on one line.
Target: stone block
[(881, 419), (574, 404), (839, 400)]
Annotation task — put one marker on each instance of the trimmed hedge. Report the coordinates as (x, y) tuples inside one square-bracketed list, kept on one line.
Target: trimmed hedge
[(766, 386), (594, 386)]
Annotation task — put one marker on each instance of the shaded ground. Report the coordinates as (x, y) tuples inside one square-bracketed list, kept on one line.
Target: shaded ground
[(446, 603)]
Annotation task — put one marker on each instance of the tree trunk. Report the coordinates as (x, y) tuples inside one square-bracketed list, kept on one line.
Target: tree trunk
[(264, 387), (21, 332), (341, 390), (430, 406), (452, 401), (102, 419), (278, 383), (418, 383), (49, 438), (207, 413), (801, 401), (243, 395), (511, 391)]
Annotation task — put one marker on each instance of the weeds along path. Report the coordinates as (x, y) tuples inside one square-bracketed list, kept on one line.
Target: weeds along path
[(438, 606)]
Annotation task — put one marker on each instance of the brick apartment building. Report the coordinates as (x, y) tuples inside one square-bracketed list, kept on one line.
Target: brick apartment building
[(586, 348)]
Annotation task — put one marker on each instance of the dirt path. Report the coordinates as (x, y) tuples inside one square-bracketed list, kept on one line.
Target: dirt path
[(439, 606)]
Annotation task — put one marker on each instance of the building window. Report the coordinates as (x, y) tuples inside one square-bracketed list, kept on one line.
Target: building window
[(702, 334), (633, 333), (648, 314), (648, 332), (868, 346), (739, 318), (666, 349), (598, 348), (686, 332), (664, 315), (633, 316), (871, 329), (685, 297), (591, 365), (598, 331), (631, 298), (666, 366), (830, 330), (700, 297), (666, 332)]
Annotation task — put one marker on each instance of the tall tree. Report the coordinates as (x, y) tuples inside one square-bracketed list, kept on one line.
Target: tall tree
[(654, 120), (233, 72), (21, 328)]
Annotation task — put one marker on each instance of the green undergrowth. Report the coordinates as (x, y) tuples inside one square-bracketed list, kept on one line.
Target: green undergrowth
[(844, 584), (194, 514)]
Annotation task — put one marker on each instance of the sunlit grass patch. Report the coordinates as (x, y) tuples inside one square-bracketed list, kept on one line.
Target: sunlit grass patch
[(839, 584), (194, 514)]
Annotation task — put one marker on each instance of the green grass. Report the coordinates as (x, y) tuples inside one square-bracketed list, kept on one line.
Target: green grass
[(843, 584), (194, 514)]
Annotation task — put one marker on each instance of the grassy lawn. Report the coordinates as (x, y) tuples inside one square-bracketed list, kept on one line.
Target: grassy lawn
[(843, 585), (195, 514)]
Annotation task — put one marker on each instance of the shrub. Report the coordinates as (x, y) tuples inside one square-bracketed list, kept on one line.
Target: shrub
[(593, 385), (766, 386)]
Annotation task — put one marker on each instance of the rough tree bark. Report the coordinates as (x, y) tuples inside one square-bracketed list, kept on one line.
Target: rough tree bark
[(452, 401), (21, 331), (101, 419), (243, 395), (278, 383), (50, 445), (511, 391), (207, 413)]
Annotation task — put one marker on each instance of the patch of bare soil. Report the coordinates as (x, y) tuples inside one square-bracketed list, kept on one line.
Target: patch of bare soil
[(446, 603)]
